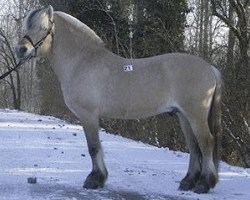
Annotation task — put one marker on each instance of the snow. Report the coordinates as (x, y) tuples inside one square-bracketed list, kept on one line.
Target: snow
[(55, 152)]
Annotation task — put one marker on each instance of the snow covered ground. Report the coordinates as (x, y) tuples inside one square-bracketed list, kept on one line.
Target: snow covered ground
[(56, 153)]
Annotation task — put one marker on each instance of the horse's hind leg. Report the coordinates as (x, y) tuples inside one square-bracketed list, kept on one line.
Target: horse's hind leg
[(99, 172), (209, 174), (194, 169)]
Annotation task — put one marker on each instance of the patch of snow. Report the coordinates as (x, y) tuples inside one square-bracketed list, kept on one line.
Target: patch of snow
[(53, 151)]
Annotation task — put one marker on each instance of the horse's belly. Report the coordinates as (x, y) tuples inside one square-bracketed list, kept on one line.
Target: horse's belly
[(135, 114), (130, 108)]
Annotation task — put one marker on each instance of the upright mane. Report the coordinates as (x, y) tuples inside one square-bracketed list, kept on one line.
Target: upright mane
[(88, 33), (32, 17)]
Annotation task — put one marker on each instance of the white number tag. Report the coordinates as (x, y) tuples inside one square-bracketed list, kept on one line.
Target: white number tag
[(128, 68)]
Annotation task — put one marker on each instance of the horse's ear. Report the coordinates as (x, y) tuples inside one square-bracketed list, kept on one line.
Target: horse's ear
[(50, 11)]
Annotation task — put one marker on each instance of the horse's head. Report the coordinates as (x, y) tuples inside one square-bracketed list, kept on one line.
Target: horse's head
[(38, 30)]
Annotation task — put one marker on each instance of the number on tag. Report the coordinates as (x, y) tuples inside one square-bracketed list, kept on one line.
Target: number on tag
[(128, 68)]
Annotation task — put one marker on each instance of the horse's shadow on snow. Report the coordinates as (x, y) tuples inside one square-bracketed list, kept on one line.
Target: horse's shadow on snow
[(64, 192)]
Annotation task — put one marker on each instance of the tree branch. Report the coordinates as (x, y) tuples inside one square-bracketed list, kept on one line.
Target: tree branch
[(246, 3), (236, 7), (225, 20), (242, 13), (7, 43)]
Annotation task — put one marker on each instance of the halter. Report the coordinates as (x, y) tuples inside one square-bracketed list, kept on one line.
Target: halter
[(36, 46), (40, 42)]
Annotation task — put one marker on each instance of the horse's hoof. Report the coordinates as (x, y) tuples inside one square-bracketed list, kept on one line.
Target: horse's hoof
[(188, 182), (95, 180), (92, 184), (201, 189), (186, 185)]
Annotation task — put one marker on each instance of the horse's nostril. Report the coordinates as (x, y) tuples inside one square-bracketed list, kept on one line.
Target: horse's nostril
[(23, 49)]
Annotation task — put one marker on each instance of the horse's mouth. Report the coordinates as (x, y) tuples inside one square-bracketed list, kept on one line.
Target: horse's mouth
[(25, 57)]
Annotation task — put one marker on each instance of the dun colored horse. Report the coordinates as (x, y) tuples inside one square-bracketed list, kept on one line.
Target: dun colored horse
[(98, 83)]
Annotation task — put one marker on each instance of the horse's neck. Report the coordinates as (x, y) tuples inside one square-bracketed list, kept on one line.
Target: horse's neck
[(72, 41)]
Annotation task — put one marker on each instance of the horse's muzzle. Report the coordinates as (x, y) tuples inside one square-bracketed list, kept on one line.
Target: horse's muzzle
[(22, 52)]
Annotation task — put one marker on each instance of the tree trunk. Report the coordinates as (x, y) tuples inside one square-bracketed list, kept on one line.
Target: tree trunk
[(201, 28), (231, 42), (206, 30)]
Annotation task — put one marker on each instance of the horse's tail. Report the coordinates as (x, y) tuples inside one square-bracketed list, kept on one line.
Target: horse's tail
[(214, 118)]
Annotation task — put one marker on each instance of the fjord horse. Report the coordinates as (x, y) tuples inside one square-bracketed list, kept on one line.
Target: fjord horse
[(98, 83)]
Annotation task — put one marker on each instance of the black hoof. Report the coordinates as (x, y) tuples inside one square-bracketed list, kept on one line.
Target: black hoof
[(201, 189), (186, 185), (205, 183), (95, 180)]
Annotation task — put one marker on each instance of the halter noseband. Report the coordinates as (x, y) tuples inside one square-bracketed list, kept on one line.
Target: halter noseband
[(29, 39), (40, 42)]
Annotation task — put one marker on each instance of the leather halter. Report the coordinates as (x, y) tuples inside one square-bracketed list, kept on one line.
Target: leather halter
[(40, 42), (36, 46)]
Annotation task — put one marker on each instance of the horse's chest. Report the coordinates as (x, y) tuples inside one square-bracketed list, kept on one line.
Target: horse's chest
[(80, 95)]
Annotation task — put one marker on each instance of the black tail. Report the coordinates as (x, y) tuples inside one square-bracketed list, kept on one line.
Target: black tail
[(214, 118)]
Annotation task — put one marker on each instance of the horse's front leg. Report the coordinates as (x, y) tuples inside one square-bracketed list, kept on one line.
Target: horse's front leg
[(99, 173)]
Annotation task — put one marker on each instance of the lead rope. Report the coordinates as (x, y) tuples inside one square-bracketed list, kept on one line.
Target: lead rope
[(15, 68), (36, 46)]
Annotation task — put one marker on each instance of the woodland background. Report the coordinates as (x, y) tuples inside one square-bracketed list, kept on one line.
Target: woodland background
[(216, 30)]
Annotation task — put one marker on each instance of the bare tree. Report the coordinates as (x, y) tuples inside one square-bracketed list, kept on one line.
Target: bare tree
[(241, 30), (235, 14), (20, 83), (9, 61)]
